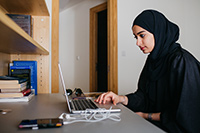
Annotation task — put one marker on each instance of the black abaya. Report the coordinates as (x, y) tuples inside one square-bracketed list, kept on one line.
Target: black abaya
[(170, 80)]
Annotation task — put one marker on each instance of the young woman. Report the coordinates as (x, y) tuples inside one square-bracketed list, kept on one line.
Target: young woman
[(168, 91)]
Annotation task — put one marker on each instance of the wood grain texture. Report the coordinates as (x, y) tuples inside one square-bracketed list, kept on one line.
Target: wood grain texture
[(112, 46), (4, 60), (55, 47), (15, 40), (41, 30), (28, 7)]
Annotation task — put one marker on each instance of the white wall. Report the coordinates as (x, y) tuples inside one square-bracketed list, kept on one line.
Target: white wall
[(74, 38), (74, 43), (185, 13)]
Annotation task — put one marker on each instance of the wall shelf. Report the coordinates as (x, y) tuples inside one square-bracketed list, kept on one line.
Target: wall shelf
[(15, 40), (16, 44)]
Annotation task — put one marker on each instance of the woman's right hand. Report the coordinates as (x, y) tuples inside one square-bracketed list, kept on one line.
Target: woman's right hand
[(111, 97)]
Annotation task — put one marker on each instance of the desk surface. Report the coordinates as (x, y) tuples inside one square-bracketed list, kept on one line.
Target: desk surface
[(53, 105)]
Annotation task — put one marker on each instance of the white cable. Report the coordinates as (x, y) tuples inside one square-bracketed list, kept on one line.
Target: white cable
[(90, 115)]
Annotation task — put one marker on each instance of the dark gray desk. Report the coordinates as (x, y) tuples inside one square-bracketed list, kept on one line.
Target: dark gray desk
[(53, 105)]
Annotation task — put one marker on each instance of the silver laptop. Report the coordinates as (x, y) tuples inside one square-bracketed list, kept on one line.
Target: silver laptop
[(80, 105)]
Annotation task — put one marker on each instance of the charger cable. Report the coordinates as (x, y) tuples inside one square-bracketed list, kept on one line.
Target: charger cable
[(90, 115)]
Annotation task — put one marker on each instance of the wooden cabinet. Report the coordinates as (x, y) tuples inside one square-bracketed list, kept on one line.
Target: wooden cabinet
[(16, 44)]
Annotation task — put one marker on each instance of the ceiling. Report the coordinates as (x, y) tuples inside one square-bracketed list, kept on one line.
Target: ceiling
[(65, 4)]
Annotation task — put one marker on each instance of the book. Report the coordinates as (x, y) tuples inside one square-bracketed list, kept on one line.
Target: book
[(13, 86), (33, 66), (18, 99), (23, 21), (17, 94), (21, 72), (12, 90), (11, 80)]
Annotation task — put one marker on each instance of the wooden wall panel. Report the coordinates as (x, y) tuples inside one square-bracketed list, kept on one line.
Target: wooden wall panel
[(41, 30), (4, 60), (113, 46), (55, 47)]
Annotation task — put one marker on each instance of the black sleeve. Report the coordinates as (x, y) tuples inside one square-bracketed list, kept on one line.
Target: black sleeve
[(183, 114), (137, 100)]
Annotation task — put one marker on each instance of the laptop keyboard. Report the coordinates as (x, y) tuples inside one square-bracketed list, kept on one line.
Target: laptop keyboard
[(83, 104)]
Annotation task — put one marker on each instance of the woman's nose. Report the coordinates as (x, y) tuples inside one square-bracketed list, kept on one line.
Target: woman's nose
[(138, 42)]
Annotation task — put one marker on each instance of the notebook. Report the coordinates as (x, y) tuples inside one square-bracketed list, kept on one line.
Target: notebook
[(80, 105)]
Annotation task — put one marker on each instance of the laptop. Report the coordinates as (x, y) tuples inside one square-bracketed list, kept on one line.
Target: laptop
[(78, 106)]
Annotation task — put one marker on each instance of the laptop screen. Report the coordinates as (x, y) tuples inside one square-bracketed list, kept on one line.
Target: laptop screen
[(63, 86)]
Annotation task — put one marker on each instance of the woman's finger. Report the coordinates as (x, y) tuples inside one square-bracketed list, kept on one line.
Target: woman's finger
[(101, 97)]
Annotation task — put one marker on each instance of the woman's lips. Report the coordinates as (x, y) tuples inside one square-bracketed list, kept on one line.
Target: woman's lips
[(142, 48)]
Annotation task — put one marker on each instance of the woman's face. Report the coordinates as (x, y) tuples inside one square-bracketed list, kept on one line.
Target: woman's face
[(145, 39)]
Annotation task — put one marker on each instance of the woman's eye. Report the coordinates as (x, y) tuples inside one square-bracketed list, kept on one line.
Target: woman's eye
[(142, 35), (135, 37)]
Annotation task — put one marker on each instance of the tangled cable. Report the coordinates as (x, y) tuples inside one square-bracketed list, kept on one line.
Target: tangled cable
[(89, 115)]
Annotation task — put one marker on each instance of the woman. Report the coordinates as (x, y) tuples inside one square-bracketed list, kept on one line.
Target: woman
[(168, 91)]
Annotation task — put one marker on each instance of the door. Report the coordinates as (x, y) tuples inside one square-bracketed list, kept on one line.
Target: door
[(105, 79)]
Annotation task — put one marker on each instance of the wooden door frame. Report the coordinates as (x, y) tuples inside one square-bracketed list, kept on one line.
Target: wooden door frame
[(111, 6)]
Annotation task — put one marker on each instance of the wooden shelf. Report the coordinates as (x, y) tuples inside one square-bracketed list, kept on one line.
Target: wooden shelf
[(26, 7), (16, 44), (14, 40)]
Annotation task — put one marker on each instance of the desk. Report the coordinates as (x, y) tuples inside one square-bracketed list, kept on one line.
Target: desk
[(53, 105)]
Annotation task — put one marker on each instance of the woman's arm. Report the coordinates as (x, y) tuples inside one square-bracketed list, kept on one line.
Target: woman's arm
[(123, 99), (153, 116)]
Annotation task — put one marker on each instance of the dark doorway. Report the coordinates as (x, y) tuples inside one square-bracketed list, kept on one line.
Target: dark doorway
[(102, 56), (112, 47)]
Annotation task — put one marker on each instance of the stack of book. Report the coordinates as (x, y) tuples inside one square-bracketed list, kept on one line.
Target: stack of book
[(21, 69), (13, 89)]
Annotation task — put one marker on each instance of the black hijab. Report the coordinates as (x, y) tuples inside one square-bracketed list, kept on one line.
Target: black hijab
[(165, 34)]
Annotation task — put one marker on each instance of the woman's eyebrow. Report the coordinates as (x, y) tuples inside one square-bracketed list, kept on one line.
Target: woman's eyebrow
[(140, 32)]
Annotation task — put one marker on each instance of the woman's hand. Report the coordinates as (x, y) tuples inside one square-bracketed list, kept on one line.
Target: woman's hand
[(111, 97)]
